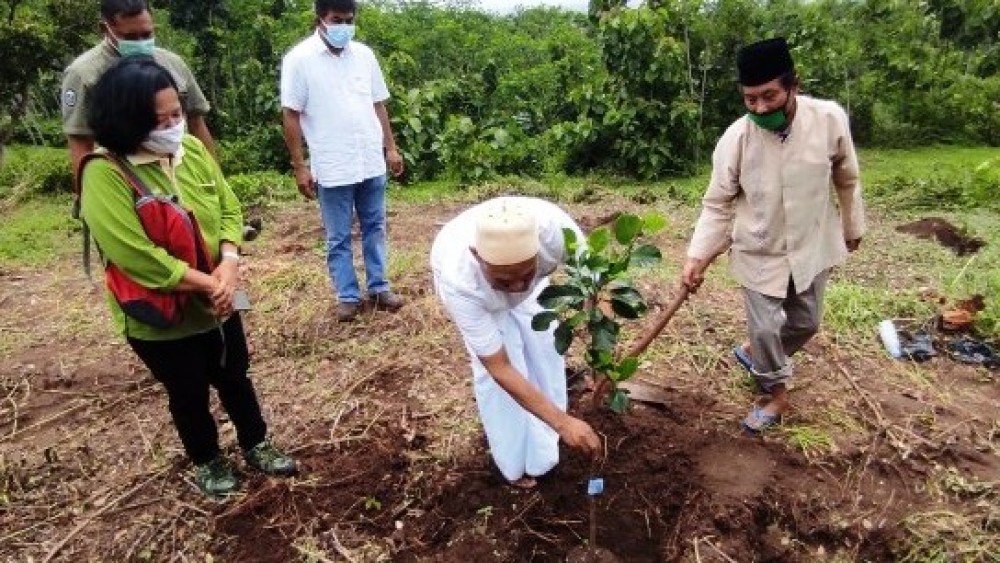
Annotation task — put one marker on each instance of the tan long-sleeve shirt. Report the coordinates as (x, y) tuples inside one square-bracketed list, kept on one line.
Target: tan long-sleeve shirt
[(770, 200)]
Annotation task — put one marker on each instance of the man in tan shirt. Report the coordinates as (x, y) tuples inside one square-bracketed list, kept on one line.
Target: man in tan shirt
[(127, 26), (770, 203)]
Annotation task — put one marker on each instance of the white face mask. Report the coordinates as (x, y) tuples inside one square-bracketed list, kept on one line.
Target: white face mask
[(165, 141)]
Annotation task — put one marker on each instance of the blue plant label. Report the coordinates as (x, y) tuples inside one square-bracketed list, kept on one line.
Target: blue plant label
[(595, 486)]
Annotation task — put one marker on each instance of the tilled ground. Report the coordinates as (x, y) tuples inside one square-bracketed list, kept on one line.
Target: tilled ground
[(878, 461)]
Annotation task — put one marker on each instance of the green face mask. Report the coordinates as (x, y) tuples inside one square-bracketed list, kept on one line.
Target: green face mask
[(772, 121), (128, 48)]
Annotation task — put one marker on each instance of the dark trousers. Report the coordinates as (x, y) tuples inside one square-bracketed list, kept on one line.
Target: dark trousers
[(187, 367)]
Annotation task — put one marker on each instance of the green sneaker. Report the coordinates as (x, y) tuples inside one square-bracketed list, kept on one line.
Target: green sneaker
[(270, 459), (216, 478)]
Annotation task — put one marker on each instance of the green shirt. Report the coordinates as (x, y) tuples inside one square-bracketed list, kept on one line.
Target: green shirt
[(82, 74), (107, 205)]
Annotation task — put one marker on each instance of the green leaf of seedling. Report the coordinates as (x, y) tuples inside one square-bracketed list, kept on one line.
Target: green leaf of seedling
[(596, 263), (598, 240), (619, 401), (571, 243), (577, 319), (652, 223), (563, 337), (604, 335), (627, 227), (617, 267), (627, 296), (645, 255), (627, 308), (556, 295), (627, 368), (600, 361), (543, 320)]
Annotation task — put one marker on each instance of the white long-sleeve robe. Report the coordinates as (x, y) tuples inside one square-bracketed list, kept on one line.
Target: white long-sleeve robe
[(488, 319)]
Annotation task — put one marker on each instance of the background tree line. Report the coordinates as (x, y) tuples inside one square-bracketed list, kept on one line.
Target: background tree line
[(636, 91)]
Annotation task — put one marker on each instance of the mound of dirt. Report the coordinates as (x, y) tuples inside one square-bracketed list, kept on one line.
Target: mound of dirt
[(671, 490), (362, 487), (946, 234)]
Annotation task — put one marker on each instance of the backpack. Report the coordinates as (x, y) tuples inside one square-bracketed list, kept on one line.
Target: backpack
[(168, 225)]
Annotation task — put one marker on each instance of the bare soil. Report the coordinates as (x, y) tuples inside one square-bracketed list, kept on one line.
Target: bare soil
[(945, 233), (878, 460)]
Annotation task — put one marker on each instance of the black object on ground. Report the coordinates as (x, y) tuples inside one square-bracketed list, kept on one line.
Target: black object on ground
[(971, 351), (917, 346)]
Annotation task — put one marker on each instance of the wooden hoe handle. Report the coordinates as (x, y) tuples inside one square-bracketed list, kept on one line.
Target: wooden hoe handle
[(651, 335)]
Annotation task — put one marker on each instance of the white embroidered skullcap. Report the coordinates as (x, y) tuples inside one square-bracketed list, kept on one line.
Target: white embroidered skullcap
[(506, 232)]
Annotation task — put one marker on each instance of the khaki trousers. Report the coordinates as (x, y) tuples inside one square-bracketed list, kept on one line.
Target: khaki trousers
[(779, 327)]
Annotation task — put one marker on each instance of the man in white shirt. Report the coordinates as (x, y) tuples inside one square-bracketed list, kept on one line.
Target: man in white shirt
[(770, 201), (333, 95), (490, 263)]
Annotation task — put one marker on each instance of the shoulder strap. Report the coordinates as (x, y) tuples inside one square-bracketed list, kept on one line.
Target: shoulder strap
[(121, 164), (127, 173), (126, 169)]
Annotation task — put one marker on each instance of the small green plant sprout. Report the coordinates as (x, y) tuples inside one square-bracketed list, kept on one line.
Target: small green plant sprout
[(597, 293)]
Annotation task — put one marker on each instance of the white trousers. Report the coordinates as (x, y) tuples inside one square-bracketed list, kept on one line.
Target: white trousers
[(520, 443)]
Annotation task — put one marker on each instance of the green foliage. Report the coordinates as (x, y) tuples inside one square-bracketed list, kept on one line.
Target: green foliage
[(480, 93), (29, 172), (36, 36), (259, 189), (637, 92), (253, 149), (596, 281)]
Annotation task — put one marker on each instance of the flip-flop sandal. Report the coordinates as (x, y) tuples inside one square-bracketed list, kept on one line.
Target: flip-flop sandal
[(743, 359), (758, 421)]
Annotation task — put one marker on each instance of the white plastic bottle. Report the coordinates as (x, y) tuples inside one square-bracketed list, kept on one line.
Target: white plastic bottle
[(890, 338)]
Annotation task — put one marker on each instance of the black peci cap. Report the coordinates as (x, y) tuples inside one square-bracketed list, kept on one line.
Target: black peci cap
[(762, 62)]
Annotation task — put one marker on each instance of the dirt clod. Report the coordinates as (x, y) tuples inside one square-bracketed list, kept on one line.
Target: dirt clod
[(947, 235)]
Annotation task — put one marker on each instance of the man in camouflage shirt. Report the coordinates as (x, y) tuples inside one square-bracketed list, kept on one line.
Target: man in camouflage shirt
[(128, 30)]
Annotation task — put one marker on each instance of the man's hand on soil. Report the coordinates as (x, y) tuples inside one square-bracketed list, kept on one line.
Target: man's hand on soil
[(579, 435)]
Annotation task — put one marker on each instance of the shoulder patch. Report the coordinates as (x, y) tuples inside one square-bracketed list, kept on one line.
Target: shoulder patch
[(69, 98)]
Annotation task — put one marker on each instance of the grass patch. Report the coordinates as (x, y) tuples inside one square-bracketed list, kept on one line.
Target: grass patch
[(810, 440), (932, 177), (971, 534), (38, 232), (853, 309), (403, 262)]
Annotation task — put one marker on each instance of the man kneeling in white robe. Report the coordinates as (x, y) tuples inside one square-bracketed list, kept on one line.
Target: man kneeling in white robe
[(490, 263)]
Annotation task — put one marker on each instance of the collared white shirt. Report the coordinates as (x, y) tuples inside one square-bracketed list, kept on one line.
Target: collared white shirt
[(458, 278), (335, 96), (785, 206)]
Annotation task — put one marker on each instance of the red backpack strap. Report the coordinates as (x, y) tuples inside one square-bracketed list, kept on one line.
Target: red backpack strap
[(120, 164)]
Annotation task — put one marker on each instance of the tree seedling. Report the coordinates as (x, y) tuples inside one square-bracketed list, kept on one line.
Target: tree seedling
[(597, 293)]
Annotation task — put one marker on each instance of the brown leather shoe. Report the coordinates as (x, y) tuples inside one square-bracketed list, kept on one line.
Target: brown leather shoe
[(347, 311), (386, 301)]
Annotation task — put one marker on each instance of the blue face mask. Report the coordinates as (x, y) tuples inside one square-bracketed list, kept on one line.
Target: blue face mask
[(339, 34)]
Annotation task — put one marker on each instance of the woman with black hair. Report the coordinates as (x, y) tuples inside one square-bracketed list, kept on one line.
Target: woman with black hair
[(137, 118)]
